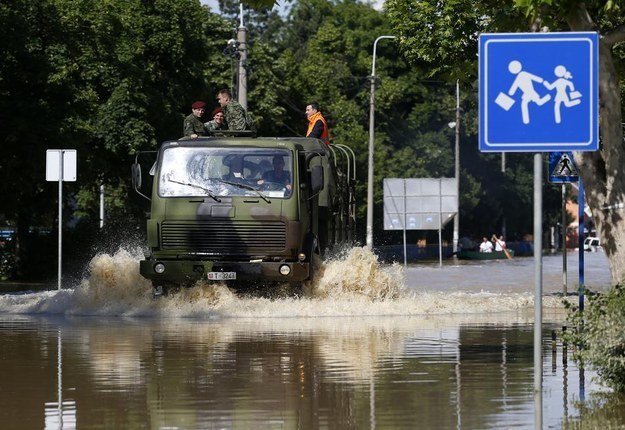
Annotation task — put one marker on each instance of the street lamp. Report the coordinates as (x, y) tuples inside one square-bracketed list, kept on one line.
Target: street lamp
[(371, 142), (456, 124)]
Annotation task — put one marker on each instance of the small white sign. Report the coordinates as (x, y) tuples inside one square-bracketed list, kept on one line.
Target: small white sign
[(54, 163)]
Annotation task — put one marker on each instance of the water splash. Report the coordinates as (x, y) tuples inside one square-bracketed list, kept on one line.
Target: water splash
[(352, 283), (356, 272)]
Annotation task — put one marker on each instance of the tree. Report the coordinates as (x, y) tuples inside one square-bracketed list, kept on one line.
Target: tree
[(444, 34), (106, 78), (600, 171)]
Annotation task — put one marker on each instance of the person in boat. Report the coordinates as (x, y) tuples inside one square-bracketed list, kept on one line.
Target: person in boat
[(467, 244), (500, 244), (486, 245)]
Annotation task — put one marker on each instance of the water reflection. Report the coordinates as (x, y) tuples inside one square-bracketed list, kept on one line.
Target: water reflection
[(464, 372), (367, 347)]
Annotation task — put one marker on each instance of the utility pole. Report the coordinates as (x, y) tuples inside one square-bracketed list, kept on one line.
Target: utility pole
[(242, 69), (371, 147), (457, 170)]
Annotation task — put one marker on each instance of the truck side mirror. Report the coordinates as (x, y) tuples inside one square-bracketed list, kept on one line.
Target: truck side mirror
[(316, 179), (136, 176)]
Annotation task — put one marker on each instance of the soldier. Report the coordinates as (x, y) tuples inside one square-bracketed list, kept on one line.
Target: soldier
[(217, 123), (193, 126), (234, 113)]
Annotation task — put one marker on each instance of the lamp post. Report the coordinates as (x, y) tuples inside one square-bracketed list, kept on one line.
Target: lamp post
[(457, 170), (456, 124), (242, 69), (371, 146)]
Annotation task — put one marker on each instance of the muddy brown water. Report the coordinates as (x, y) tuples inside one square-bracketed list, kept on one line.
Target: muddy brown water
[(367, 347)]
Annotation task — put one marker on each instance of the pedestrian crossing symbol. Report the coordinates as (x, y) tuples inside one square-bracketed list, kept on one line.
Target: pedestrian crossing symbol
[(562, 168)]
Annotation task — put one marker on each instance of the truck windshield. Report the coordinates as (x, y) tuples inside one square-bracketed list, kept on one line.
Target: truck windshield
[(196, 172)]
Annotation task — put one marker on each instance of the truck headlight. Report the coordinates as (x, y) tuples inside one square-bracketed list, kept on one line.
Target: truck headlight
[(159, 268), (285, 269), (301, 256)]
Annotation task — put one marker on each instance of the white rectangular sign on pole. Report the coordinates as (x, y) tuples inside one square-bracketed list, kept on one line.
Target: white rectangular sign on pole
[(54, 163), (60, 166), (420, 204)]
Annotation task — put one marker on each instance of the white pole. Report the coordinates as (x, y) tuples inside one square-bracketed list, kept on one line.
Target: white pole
[(60, 253), (242, 39), (538, 290), (371, 147), (457, 171), (440, 222), (404, 224)]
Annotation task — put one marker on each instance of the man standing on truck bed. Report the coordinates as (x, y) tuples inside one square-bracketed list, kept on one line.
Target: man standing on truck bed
[(234, 113), (193, 126), (317, 126)]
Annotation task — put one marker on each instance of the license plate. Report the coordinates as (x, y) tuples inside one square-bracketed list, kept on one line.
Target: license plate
[(221, 276)]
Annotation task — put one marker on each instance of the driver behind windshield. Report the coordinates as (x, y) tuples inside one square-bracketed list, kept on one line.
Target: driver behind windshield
[(278, 175)]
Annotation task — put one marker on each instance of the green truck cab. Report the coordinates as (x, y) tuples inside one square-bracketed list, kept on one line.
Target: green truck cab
[(245, 209)]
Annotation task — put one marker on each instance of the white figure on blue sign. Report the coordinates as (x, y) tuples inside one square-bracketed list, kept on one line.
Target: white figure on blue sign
[(565, 91), (524, 81)]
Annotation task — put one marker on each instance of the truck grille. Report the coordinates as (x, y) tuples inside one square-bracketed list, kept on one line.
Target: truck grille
[(224, 237)]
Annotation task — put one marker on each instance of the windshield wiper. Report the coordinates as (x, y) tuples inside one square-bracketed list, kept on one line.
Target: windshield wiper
[(206, 190), (246, 187)]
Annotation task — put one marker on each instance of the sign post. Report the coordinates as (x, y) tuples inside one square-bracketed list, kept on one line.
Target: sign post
[(539, 92), (60, 166), (420, 204), (562, 170)]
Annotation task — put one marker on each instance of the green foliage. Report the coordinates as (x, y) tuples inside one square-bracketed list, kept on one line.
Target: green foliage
[(442, 36), (598, 331), (105, 78)]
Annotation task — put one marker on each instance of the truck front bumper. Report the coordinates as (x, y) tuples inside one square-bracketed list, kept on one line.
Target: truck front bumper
[(161, 272)]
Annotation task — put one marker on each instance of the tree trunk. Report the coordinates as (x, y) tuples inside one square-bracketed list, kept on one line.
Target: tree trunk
[(602, 171)]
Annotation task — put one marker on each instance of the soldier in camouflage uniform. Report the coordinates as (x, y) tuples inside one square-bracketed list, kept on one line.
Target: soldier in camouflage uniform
[(234, 113), (193, 126), (218, 122)]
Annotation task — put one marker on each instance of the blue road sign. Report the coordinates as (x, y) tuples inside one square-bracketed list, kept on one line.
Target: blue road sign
[(539, 92), (562, 168)]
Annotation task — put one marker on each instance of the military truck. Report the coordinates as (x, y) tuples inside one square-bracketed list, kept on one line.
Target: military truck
[(223, 209)]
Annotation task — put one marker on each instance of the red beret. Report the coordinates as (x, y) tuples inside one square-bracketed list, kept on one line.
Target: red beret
[(198, 105), (216, 111)]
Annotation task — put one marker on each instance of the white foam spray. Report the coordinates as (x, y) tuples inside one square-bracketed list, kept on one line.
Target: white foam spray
[(354, 283)]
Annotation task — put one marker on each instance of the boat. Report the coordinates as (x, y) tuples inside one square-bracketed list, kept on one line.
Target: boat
[(466, 254)]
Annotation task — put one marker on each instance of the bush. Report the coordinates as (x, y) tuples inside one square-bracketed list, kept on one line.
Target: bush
[(599, 333)]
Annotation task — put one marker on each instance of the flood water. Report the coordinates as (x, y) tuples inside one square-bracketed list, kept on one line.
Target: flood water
[(367, 347)]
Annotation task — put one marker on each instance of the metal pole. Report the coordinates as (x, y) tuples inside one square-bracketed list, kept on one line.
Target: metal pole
[(371, 147), (503, 171), (580, 234), (101, 205), (538, 287), (457, 171), (564, 268), (242, 72), (404, 224), (440, 223), (60, 245)]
